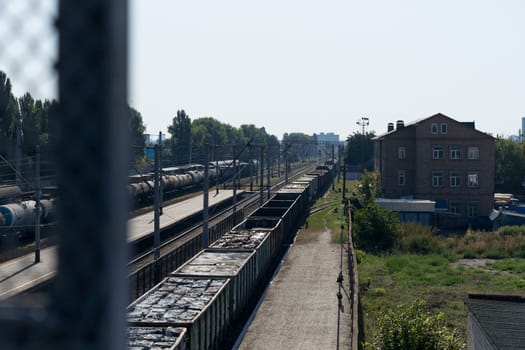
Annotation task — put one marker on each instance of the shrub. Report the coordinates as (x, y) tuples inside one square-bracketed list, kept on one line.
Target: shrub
[(410, 326), (512, 230), (418, 239), (360, 255), (375, 229)]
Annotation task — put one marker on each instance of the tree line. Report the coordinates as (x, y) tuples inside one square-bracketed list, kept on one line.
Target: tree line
[(189, 137), (31, 122)]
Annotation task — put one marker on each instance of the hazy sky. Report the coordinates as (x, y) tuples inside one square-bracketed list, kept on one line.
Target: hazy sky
[(305, 66), (319, 66)]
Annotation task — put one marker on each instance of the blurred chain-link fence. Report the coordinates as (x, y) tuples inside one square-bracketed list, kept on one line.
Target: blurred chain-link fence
[(28, 90), (63, 129)]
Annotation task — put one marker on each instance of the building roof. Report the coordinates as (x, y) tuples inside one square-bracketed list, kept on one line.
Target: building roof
[(501, 317), (407, 205), (497, 213), (467, 125)]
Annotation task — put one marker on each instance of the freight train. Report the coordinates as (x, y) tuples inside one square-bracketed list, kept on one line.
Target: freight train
[(20, 217), (182, 177), (8, 192), (207, 295)]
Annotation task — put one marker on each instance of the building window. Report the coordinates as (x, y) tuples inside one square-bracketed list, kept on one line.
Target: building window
[(402, 152), (455, 208), (472, 209), (444, 128), (455, 179), (472, 180), (455, 152), (437, 179), (437, 152), (473, 152), (434, 128), (401, 178)]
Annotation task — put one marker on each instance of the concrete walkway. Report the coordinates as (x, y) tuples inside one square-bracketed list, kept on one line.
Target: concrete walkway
[(300, 307), (23, 273)]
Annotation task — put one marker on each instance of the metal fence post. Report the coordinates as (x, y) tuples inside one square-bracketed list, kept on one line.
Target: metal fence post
[(92, 288)]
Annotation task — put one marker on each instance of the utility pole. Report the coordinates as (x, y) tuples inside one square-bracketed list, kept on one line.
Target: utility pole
[(252, 165), (161, 190), (257, 168), (279, 165), (268, 177), (191, 140), (286, 169), (339, 163), (216, 166), (18, 153), (235, 182), (156, 219), (205, 233), (343, 200), (38, 208), (261, 184), (333, 164)]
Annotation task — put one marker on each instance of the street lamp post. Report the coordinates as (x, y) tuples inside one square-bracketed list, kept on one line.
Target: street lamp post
[(363, 122)]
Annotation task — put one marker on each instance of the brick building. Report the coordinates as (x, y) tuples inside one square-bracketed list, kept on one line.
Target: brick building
[(443, 160)]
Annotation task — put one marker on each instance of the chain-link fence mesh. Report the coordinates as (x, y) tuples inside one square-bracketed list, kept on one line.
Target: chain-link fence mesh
[(28, 92), (29, 46), (85, 134)]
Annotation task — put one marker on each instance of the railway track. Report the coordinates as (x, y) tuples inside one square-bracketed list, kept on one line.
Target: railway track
[(145, 272)]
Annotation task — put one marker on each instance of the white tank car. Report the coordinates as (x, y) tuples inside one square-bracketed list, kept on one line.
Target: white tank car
[(17, 215)]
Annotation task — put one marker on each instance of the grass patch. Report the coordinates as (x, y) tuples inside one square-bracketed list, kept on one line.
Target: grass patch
[(405, 277), (510, 265), (421, 266), (327, 213)]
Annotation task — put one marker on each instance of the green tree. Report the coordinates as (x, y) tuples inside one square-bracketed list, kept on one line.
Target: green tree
[(510, 165), (374, 228), (8, 112), (137, 137), (410, 326), (300, 146), (258, 136), (181, 137), (368, 189), (8, 108), (31, 112), (359, 150), (48, 121), (210, 130)]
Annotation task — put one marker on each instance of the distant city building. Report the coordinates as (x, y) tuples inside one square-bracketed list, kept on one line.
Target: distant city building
[(442, 160), (522, 130), (328, 138), (327, 143)]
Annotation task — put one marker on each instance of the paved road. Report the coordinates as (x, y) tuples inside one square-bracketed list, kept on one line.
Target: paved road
[(300, 307)]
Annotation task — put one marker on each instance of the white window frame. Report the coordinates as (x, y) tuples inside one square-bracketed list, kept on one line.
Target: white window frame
[(454, 153), (437, 152), (472, 180), (473, 152), (402, 152), (434, 128), (401, 178), (438, 179), (443, 128), (455, 179)]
